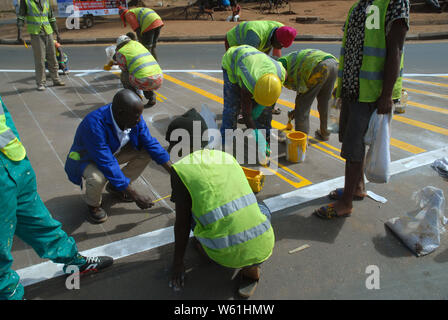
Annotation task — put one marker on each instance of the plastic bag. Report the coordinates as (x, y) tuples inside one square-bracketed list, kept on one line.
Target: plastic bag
[(110, 51), (420, 230), (334, 114), (378, 157)]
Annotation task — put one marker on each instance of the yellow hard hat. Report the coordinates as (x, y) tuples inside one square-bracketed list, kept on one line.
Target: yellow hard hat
[(267, 89)]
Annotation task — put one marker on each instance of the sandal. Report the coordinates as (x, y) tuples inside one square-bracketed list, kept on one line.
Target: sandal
[(276, 110), (337, 195), (246, 286), (328, 212), (320, 136)]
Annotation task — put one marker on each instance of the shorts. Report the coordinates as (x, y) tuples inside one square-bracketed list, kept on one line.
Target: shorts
[(353, 125)]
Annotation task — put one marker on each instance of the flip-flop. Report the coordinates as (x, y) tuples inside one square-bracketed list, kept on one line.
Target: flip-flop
[(276, 111), (246, 286), (319, 136), (328, 212), (337, 195)]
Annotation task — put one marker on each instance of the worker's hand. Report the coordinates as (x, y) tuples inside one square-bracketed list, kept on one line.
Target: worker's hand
[(141, 200), (384, 105), (177, 277), (291, 114)]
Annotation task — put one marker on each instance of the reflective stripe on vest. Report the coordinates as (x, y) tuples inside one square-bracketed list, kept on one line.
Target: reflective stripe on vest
[(36, 18), (9, 144), (145, 17), (227, 209), (235, 239)]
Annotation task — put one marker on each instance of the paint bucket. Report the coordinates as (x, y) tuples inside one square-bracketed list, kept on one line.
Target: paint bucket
[(296, 142), (255, 178)]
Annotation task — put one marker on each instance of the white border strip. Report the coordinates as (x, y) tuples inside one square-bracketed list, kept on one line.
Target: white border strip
[(144, 242), (85, 72)]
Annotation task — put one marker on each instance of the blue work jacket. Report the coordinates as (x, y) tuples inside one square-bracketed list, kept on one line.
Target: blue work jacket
[(96, 142)]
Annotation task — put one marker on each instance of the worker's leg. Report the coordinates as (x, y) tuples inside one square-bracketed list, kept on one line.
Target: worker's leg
[(264, 122), (38, 45), (324, 95), (124, 78), (232, 106), (9, 279), (302, 110), (149, 40), (136, 161), (52, 61), (94, 185)]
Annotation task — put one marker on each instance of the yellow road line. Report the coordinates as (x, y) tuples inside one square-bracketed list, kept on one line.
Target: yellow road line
[(205, 76), (443, 96), (303, 181), (420, 124), (394, 142), (426, 82), (221, 101), (426, 107)]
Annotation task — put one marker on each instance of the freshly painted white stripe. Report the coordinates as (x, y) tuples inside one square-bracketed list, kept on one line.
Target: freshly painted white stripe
[(201, 70), (303, 195), (144, 242)]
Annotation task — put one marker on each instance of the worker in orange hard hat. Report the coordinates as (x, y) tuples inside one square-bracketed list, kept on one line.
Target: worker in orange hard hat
[(252, 84), (146, 23)]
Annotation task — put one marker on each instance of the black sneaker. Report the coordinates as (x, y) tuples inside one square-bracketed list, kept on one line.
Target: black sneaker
[(95, 264)]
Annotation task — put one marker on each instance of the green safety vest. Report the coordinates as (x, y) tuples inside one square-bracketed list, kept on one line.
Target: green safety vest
[(139, 62), (300, 64), (264, 29), (245, 65), (145, 17), (374, 56), (10, 145), (229, 223), (36, 19)]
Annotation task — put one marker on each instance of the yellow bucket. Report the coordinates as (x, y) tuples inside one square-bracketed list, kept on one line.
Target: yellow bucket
[(256, 179), (296, 142)]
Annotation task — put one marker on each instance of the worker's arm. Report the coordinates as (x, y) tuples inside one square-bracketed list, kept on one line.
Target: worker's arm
[(246, 107), (21, 20), (394, 49), (54, 26), (182, 225)]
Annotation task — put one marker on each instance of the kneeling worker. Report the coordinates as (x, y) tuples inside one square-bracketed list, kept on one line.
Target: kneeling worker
[(107, 137), (139, 69), (213, 198), (312, 74)]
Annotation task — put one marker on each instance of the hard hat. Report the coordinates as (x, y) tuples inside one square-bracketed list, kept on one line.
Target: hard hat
[(267, 89), (122, 39)]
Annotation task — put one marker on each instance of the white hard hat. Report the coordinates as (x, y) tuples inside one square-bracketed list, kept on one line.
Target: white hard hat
[(122, 39)]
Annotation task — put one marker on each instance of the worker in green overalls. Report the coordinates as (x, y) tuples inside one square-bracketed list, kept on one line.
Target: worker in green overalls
[(25, 215)]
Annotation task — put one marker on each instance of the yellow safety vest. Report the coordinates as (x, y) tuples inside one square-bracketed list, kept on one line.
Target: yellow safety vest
[(37, 18), (9, 144), (139, 62)]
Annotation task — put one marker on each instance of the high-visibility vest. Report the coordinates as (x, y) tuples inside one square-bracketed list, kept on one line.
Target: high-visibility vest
[(229, 224), (374, 57), (264, 29), (245, 65), (10, 145), (139, 62), (37, 18), (300, 64), (145, 17)]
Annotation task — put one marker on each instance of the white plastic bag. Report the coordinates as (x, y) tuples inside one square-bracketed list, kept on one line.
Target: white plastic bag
[(110, 51), (378, 156), (334, 112), (420, 230)]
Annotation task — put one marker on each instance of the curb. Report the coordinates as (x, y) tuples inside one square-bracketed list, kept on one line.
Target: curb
[(419, 36)]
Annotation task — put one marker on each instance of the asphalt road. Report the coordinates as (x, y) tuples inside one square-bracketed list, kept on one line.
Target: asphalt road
[(334, 267)]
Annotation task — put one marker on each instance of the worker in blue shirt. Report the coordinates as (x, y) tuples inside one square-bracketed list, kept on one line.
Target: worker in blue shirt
[(107, 137)]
